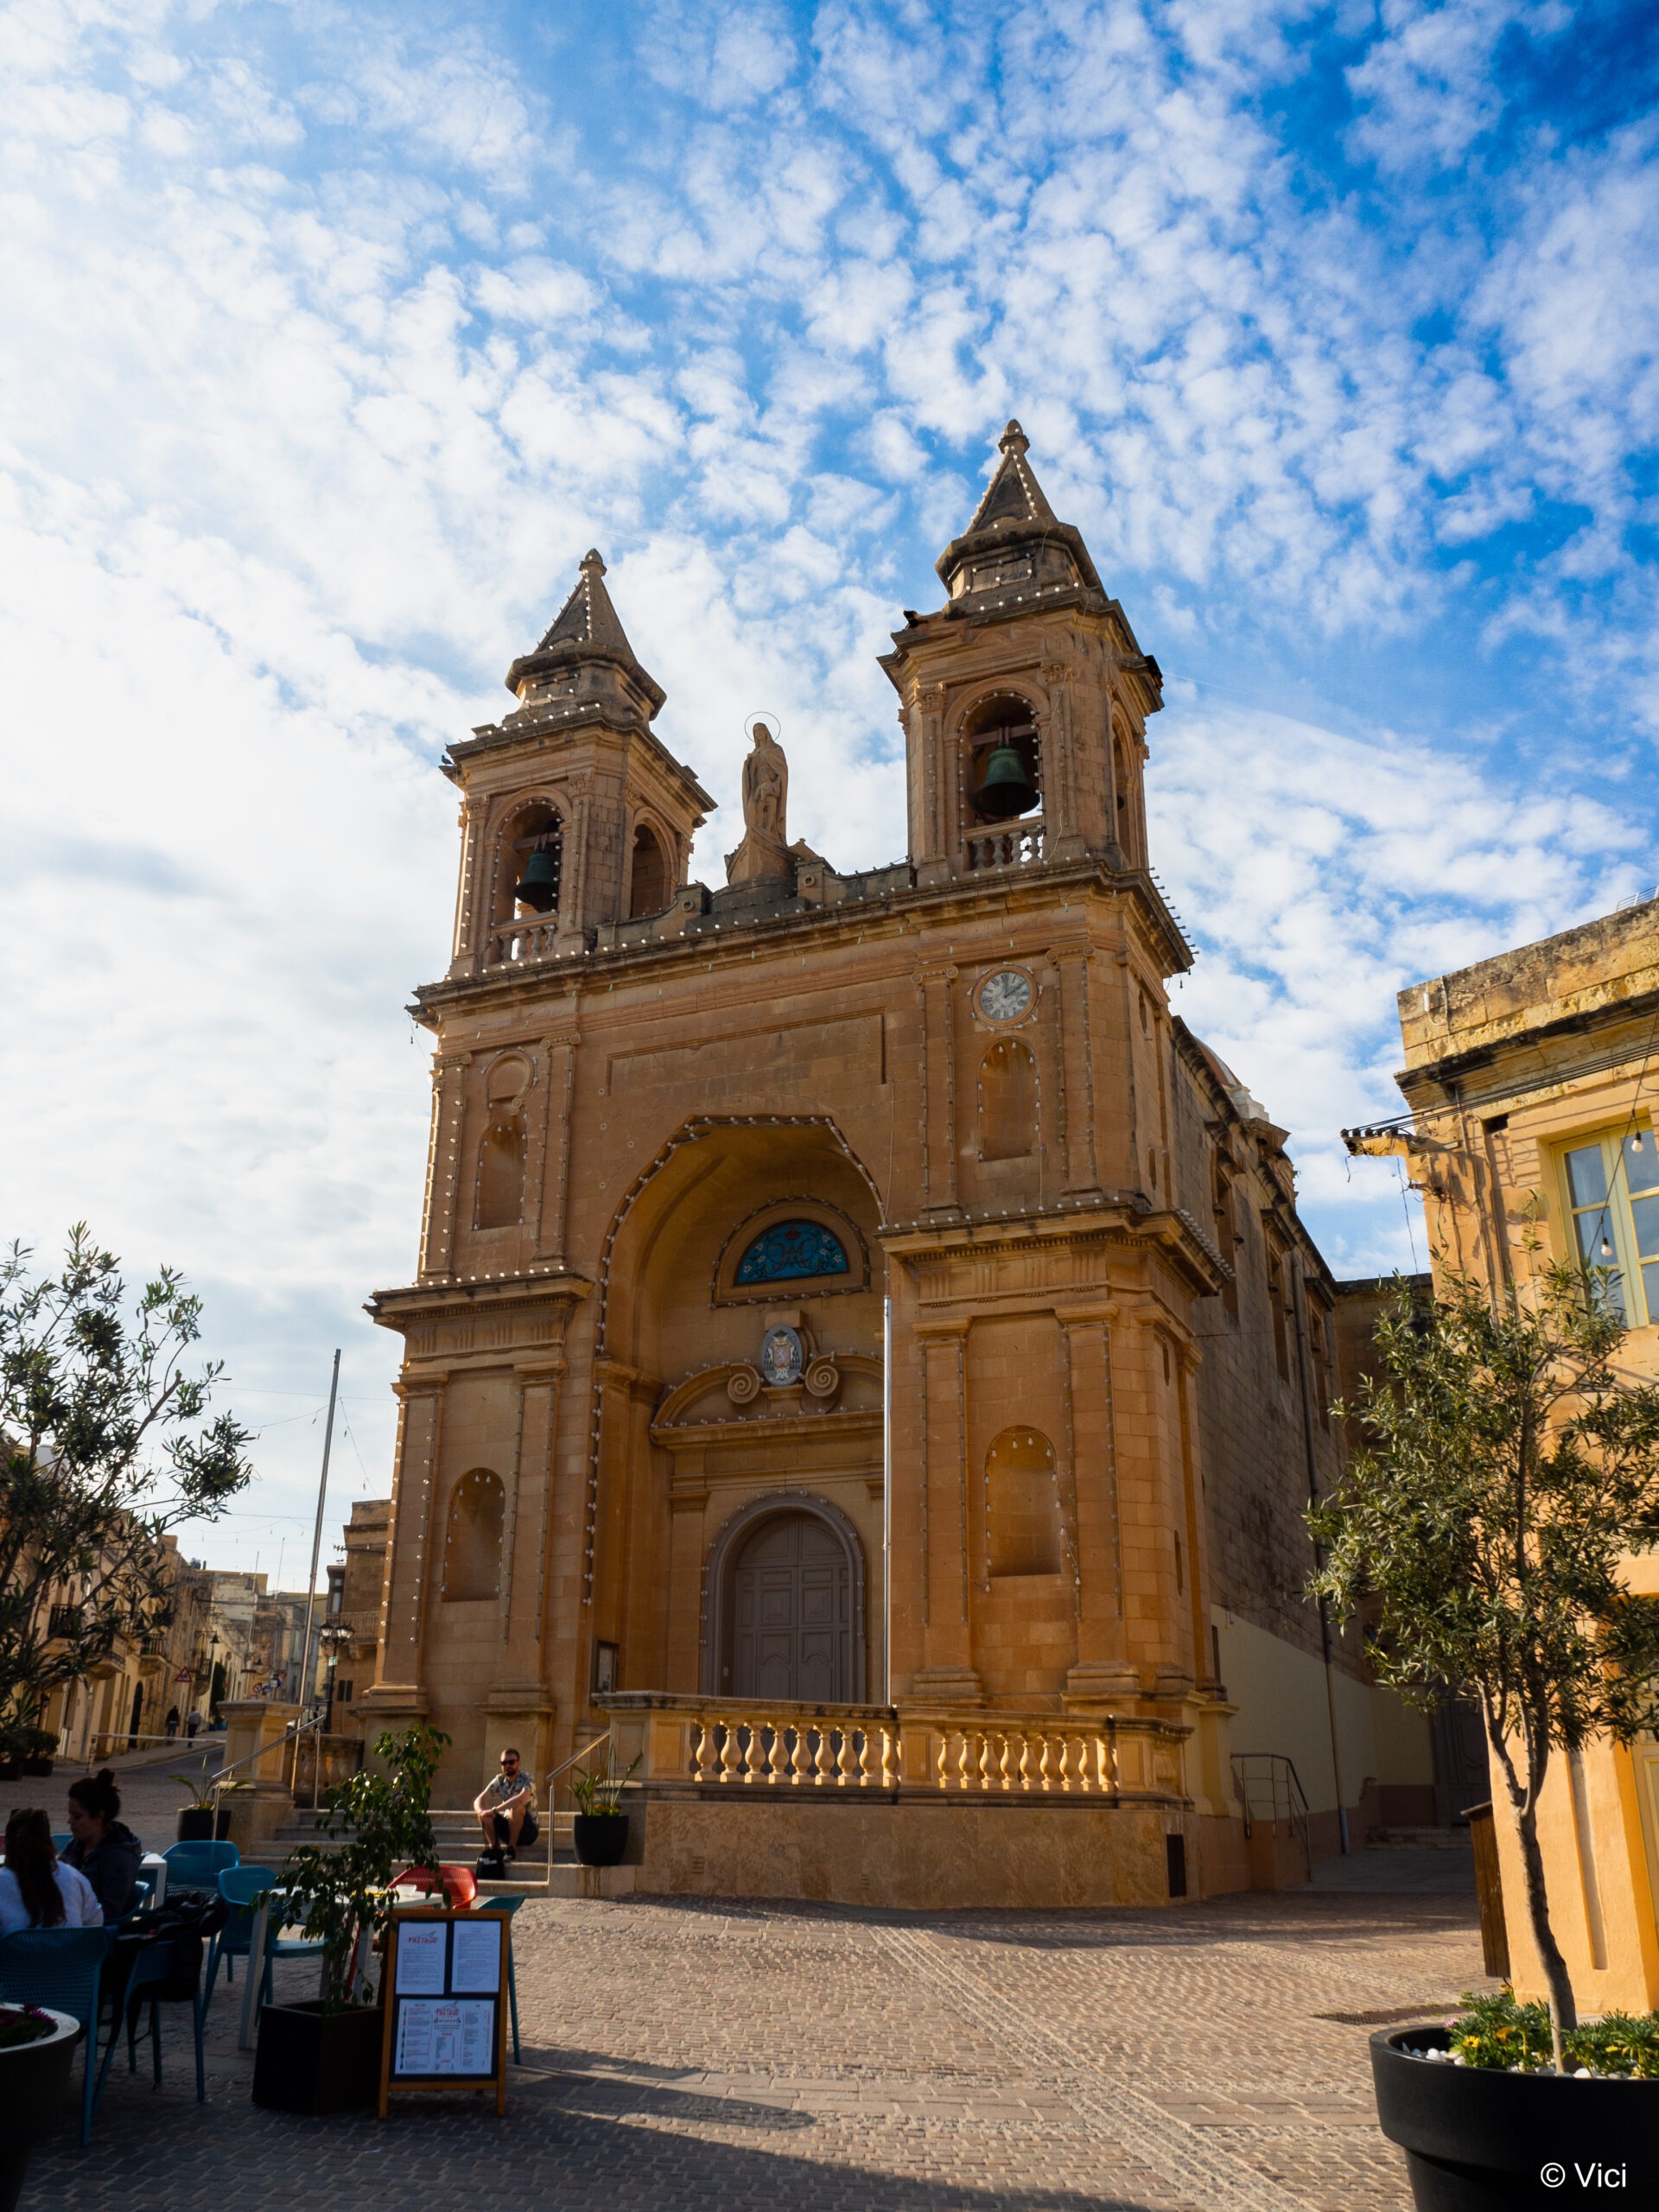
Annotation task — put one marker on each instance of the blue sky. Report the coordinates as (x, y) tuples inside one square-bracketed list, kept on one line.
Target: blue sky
[(333, 336)]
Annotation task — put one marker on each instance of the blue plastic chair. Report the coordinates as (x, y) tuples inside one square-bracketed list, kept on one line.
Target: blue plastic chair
[(198, 1866), (62, 1843), (152, 1970), (143, 1889), (242, 1888), (60, 1969)]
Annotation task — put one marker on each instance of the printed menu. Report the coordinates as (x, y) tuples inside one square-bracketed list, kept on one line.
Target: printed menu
[(447, 2035)]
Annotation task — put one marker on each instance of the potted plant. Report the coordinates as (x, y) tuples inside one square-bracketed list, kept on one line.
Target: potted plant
[(601, 1828), (324, 2054), (1507, 1470), (197, 1821), (39, 1747), (37, 2051)]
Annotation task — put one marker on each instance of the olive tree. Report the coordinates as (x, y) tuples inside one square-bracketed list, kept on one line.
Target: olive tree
[(106, 1445), (1507, 1469)]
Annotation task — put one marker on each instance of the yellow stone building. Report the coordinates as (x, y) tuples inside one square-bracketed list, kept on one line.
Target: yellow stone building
[(1530, 1080), (864, 1346)]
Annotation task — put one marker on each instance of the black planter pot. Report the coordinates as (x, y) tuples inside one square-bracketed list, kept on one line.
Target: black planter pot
[(196, 1824), (311, 2061), (1477, 2141), (34, 2083), (601, 1838)]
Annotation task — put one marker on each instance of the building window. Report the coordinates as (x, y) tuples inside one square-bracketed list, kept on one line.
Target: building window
[(790, 1249), (648, 888), (1612, 1187), (1278, 1301)]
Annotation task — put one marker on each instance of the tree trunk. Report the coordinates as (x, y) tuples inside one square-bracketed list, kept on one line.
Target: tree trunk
[(1524, 1804)]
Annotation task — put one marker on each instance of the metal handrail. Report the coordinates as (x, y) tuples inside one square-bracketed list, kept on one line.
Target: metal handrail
[(1295, 1807), (293, 1728)]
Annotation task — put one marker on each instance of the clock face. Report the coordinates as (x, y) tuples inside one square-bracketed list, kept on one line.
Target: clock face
[(1006, 995)]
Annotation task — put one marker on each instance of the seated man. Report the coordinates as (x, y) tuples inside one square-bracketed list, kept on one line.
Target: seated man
[(506, 1807)]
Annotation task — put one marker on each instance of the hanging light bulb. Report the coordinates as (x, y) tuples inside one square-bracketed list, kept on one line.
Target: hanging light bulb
[(1607, 1246), (1636, 1141)]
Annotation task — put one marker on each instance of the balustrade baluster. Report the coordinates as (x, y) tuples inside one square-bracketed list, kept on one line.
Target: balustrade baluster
[(847, 1765), (825, 1761), (730, 1752), (964, 1761), (1042, 1764), (867, 1759), (1066, 1762), (703, 1751), (1005, 1764), (779, 1763), (801, 1762), (984, 1758), (1025, 1760), (943, 1758), (755, 1762)]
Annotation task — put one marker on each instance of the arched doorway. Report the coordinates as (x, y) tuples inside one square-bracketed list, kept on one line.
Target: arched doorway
[(788, 1588)]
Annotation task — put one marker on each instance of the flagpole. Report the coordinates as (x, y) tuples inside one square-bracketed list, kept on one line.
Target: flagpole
[(316, 1539)]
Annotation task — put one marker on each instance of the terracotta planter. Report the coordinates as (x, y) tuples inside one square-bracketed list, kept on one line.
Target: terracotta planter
[(34, 2083), (601, 1838), (315, 2062), (1477, 2141)]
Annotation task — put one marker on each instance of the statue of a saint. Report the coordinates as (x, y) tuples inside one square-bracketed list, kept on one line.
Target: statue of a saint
[(765, 849)]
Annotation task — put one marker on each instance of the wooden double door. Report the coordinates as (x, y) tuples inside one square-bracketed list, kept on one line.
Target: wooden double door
[(792, 1624)]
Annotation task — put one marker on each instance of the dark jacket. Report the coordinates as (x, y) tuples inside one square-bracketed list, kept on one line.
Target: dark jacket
[(111, 1868)]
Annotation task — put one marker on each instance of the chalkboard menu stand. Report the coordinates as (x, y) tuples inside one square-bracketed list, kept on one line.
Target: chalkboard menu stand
[(446, 2002)]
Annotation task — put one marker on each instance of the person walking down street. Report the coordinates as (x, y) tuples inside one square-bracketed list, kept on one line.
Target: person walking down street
[(102, 1846), (172, 1722), (191, 1725), (506, 1807), (36, 1890)]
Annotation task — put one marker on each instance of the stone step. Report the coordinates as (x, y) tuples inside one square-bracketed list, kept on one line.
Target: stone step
[(1419, 1839)]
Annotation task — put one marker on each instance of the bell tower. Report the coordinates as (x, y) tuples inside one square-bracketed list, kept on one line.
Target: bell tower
[(575, 813), (1024, 699)]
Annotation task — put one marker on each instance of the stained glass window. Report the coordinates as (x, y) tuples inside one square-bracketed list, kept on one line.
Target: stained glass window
[(790, 1249)]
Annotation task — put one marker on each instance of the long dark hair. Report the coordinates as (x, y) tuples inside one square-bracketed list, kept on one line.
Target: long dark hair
[(31, 1858), (97, 1795)]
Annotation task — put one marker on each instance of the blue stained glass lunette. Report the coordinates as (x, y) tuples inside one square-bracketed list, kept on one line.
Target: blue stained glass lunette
[(789, 1249)]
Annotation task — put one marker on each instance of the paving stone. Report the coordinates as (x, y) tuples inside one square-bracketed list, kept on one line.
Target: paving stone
[(688, 2052)]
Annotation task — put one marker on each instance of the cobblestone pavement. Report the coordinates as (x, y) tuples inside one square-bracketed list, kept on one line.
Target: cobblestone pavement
[(685, 2053)]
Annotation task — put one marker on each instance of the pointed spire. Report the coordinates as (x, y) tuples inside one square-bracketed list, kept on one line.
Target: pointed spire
[(587, 616), (1014, 493), (1016, 549), (587, 631)]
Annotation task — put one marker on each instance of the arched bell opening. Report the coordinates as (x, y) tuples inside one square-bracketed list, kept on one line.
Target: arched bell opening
[(785, 1596), (530, 866), (1002, 757), (650, 886)]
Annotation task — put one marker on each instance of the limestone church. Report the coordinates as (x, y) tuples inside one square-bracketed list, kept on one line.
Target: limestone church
[(856, 1299)]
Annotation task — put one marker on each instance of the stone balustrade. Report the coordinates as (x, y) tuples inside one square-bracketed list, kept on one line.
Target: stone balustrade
[(1017, 844), (529, 939), (713, 1744)]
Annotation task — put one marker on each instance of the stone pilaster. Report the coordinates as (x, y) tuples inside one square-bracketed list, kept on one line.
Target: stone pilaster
[(444, 1165), (939, 1088)]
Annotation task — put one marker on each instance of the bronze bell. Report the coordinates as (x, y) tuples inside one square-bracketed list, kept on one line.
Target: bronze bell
[(1005, 790), (539, 885)]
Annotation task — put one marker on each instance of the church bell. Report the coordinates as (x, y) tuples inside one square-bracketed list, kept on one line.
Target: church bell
[(1006, 789), (539, 885)]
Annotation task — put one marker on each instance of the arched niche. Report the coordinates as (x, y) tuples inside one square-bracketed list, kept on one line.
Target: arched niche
[(1022, 1505), (651, 881), (471, 1537), (504, 1146), (1002, 720), (809, 1552), (1008, 1100)]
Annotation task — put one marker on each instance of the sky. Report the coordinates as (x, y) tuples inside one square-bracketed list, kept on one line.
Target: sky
[(332, 336)]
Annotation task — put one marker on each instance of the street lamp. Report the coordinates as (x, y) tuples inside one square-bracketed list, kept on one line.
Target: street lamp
[(334, 1636)]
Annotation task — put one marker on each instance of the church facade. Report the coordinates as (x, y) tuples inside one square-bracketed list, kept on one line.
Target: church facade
[(857, 1293)]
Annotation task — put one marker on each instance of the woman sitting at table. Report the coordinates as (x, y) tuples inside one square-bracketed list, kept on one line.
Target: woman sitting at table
[(103, 1847), (36, 1890)]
